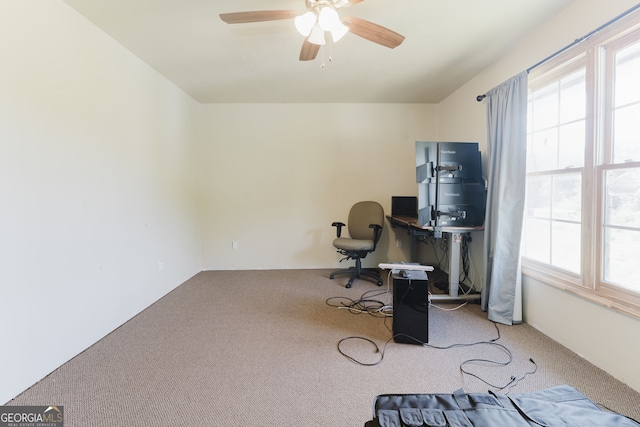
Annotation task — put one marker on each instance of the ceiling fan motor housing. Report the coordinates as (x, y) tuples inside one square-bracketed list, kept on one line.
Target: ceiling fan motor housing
[(331, 3)]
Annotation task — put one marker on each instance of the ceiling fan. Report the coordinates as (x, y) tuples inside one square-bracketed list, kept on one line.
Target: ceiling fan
[(321, 17)]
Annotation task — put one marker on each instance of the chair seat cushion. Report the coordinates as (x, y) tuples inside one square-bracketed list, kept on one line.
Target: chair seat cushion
[(353, 244)]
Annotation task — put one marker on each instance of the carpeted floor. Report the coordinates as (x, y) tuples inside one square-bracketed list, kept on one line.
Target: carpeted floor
[(260, 348)]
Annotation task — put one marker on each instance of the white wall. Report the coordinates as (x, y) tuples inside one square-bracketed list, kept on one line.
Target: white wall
[(274, 178), (604, 337), (97, 185)]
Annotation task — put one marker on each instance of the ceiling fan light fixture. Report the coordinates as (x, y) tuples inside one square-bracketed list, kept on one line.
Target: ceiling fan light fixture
[(328, 18), (317, 35), (305, 23), (339, 31)]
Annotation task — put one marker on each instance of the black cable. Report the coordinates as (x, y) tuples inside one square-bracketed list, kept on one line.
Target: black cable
[(513, 381), (491, 362), (365, 304), (417, 341), (526, 374), (442, 244), (444, 247), (464, 254), (377, 350), (491, 342)]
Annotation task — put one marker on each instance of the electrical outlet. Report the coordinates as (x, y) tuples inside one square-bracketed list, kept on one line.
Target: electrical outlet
[(234, 245), (398, 243), (160, 265)]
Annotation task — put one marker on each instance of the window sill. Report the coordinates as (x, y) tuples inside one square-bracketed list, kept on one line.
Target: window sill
[(617, 299)]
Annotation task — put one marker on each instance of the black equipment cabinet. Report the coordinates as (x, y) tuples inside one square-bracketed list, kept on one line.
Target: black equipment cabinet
[(410, 307)]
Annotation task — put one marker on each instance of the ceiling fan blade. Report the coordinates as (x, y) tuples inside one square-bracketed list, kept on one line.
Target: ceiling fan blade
[(309, 50), (257, 16), (373, 32)]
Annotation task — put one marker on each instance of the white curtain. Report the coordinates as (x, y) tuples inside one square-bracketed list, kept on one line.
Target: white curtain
[(506, 150)]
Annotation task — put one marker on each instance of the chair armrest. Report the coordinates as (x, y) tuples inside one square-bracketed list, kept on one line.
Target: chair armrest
[(339, 229), (376, 234)]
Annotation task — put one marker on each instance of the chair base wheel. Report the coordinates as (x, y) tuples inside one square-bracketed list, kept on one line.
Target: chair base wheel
[(371, 274)]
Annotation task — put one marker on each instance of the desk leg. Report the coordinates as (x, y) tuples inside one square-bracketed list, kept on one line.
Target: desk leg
[(454, 263), (413, 256)]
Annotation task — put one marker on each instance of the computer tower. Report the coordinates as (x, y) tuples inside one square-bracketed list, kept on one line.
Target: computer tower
[(411, 308)]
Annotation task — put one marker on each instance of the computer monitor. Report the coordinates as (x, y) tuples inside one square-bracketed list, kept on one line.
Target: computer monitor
[(448, 162), (404, 206), (459, 162), (460, 205), (451, 205)]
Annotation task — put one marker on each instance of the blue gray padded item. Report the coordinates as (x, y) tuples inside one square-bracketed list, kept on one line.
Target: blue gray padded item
[(556, 406)]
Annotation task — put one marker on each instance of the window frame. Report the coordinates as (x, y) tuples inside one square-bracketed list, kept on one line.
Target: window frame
[(597, 55)]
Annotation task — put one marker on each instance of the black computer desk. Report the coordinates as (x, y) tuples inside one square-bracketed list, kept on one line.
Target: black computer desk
[(410, 224)]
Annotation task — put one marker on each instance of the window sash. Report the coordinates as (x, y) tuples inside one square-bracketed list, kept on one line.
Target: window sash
[(597, 56)]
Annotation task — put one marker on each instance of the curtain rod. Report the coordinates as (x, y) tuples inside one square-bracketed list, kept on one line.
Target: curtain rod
[(479, 98)]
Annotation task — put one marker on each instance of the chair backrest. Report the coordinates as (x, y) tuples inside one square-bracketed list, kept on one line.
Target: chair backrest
[(361, 215)]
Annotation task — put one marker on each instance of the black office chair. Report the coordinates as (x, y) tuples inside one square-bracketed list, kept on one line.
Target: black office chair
[(365, 223)]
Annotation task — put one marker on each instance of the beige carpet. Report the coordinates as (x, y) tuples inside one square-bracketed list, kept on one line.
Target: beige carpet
[(252, 348)]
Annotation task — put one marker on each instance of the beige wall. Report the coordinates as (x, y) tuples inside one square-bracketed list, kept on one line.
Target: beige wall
[(97, 186), (274, 178), (602, 336)]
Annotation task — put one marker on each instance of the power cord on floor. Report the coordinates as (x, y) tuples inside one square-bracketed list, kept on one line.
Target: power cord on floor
[(366, 304), (513, 381), (457, 307), (377, 350)]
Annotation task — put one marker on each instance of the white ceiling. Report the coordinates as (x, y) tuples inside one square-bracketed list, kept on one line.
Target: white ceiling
[(447, 43)]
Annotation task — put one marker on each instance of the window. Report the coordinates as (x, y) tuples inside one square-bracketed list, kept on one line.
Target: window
[(582, 215)]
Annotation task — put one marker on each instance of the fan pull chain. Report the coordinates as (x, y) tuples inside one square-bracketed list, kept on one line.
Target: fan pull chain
[(322, 65), (330, 49)]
